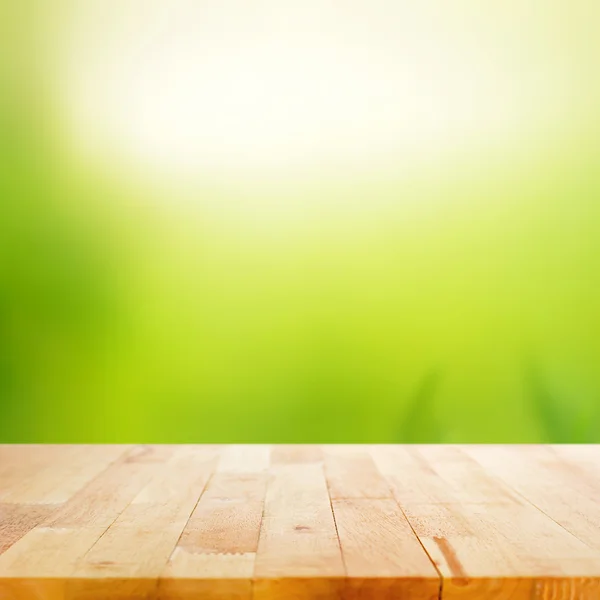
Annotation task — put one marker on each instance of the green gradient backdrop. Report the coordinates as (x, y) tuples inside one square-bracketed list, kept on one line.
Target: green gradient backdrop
[(473, 317)]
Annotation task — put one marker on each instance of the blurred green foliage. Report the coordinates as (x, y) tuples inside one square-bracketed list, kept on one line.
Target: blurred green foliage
[(123, 318)]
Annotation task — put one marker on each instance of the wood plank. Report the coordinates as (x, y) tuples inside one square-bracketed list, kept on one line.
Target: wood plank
[(383, 557), (300, 522), (17, 519), (565, 490), (501, 551), (494, 547), (214, 558), (42, 562), (430, 474), (21, 464), (246, 487), (581, 458), (64, 475), (244, 458), (289, 454), (194, 576), (351, 473), (100, 502), (299, 555), (128, 559)]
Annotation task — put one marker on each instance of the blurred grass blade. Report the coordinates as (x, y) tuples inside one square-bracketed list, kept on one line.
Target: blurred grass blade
[(420, 423), (556, 424)]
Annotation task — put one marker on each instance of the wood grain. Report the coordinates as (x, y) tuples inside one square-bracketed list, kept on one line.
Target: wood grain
[(566, 490), (383, 556), (299, 553), (260, 522), (215, 555), (485, 538), (128, 559), (351, 473)]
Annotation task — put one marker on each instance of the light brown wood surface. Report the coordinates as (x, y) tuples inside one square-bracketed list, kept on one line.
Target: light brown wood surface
[(312, 522)]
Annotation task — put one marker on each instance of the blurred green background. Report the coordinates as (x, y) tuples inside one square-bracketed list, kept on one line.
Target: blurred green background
[(456, 302)]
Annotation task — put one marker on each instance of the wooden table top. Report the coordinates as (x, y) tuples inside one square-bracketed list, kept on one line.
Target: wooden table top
[(299, 522)]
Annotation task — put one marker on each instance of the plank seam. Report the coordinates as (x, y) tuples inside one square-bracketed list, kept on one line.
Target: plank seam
[(191, 513), (114, 462), (176, 545), (121, 457), (163, 466), (502, 480), (440, 576), (337, 533), (262, 518), (126, 448), (111, 464)]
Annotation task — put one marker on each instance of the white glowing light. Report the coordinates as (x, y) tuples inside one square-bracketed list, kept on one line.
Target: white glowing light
[(190, 89)]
